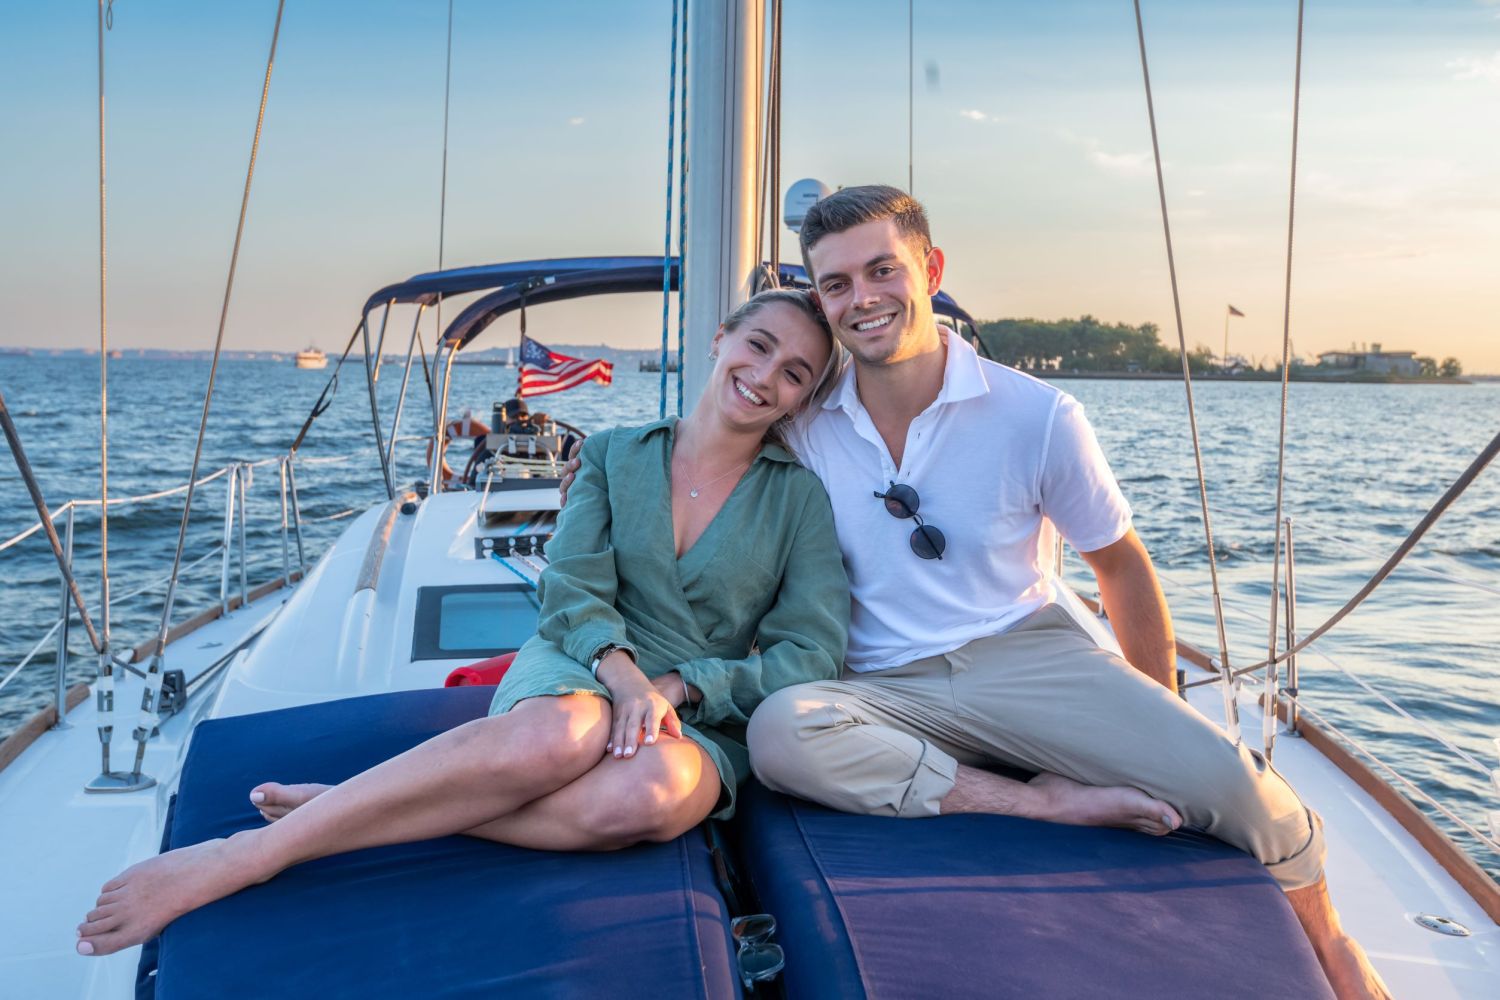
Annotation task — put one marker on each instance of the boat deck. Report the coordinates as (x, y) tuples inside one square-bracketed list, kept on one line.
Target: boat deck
[(361, 626)]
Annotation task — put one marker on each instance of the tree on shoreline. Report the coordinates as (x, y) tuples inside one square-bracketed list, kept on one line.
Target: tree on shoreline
[(1085, 344)]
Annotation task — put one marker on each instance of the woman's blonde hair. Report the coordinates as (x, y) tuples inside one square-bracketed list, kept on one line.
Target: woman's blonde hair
[(805, 304)]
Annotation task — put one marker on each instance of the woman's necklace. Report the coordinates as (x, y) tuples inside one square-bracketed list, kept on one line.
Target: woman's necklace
[(693, 491)]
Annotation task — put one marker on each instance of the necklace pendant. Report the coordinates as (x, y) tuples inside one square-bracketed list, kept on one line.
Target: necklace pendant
[(692, 494)]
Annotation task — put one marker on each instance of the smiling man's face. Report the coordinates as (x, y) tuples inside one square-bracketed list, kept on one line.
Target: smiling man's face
[(876, 289)]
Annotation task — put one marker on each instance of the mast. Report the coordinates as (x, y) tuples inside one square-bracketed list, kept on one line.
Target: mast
[(725, 81)]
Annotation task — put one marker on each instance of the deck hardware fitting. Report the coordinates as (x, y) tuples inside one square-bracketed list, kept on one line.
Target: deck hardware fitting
[(1441, 925)]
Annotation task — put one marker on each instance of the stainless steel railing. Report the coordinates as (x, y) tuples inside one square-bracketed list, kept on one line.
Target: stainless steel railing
[(232, 551), (1295, 699)]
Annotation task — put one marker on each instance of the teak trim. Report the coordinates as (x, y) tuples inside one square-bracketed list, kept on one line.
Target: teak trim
[(1438, 845)]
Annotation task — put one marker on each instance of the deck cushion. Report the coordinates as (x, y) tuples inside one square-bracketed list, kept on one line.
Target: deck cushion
[(991, 906), (452, 917)]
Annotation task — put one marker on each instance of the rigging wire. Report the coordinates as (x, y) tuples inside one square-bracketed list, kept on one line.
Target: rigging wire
[(666, 252), (773, 143), (1231, 707), (149, 700), (443, 184), (1428, 520), (105, 692), (437, 314), (682, 204), (911, 101), (1268, 729)]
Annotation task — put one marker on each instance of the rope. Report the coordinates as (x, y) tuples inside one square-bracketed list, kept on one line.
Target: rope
[(31, 655), (148, 717), (1269, 728), (1322, 721), (330, 389), (1231, 709), (501, 560), (1428, 520), (666, 253), (1260, 619), (911, 101), (682, 169)]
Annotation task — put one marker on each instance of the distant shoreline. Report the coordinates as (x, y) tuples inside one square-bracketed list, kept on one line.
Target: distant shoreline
[(1050, 376), (628, 356)]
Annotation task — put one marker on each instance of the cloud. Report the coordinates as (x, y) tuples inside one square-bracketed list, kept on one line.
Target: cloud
[(1470, 68), (576, 121), (977, 116), (1123, 164)]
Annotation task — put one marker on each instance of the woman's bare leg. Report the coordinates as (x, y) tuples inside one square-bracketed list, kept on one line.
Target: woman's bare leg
[(455, 781), (663, 791), (659, 794)]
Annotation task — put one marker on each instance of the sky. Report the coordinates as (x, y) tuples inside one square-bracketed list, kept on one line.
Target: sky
[(1033, 157)]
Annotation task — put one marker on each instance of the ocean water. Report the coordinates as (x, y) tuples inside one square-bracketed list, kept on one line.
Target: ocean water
[(1364, 463)]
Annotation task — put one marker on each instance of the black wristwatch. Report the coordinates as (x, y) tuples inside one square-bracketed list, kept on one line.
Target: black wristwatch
[(604, 651)]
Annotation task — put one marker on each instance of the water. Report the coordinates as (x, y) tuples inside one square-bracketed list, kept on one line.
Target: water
[(1364, 463)]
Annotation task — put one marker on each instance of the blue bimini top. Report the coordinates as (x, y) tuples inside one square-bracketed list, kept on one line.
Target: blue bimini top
[(452, 917), (992, 906)]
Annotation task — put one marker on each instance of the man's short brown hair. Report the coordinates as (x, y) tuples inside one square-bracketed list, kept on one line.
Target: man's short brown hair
[(854, 206)]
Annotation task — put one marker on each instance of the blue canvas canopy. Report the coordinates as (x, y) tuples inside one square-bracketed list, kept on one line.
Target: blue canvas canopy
[(424, 289), (537, 282)]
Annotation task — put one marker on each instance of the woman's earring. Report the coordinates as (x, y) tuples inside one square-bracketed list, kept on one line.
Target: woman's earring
[(713, 355)]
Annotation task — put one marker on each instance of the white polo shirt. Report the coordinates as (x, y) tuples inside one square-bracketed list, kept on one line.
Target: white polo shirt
[(996, 460)]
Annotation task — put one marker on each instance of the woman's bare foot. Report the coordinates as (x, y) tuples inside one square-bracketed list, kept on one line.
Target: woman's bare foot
[(1063, 800), (275, 800), (135, 905)]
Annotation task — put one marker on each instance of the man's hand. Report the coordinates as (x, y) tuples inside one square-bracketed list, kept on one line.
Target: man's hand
[(570, 472), (641, 712), (1137, 609)]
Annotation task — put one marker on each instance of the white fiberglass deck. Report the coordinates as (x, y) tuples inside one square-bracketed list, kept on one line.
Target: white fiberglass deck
[(329, 638)]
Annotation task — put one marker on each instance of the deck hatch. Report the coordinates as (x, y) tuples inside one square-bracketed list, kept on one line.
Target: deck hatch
[(472, 620)]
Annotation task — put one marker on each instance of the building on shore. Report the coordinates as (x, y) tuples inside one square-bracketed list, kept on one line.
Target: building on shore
[(1374, 361)]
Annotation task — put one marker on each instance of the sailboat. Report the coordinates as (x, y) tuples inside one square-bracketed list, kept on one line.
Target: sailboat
[(329, 668)]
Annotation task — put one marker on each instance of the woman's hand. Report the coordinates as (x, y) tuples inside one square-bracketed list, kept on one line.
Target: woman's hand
[(641, 712), (671, 687)]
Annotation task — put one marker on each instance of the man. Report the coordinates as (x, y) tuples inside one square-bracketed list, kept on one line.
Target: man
[(948, 475)]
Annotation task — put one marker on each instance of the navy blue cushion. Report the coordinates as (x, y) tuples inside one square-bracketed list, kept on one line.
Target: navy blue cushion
[(991, 906), (452, 917)]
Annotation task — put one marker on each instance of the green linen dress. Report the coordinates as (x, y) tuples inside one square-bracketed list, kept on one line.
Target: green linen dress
[(760, 601)]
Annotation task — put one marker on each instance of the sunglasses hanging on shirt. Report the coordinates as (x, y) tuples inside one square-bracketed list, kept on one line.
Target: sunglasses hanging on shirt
[(901, 501)]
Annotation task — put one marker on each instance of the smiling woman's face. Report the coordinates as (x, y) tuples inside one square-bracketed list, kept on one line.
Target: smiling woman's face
[(767, 366)]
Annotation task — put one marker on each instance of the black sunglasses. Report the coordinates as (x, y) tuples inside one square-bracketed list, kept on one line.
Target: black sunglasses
[(902, 501)]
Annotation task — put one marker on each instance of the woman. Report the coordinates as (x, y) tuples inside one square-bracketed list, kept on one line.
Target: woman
[(694, 570)]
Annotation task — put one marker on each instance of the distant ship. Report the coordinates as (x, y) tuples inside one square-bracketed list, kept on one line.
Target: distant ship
[(312, 358)]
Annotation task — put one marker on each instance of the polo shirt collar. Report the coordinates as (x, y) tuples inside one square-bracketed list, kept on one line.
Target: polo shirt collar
[(963, 378), (668, 425)]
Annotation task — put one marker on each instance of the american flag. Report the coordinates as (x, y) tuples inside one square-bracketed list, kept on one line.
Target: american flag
[(544, 371)]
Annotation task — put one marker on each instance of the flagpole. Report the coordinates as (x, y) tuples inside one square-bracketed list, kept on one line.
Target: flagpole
[(1226, 338), (520, 351)]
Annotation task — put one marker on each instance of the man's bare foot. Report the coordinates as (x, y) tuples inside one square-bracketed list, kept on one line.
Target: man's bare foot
[(1063, 800), (1349, 970), (135, 905), (276, 800), (1344, 962), (1057, 799)]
